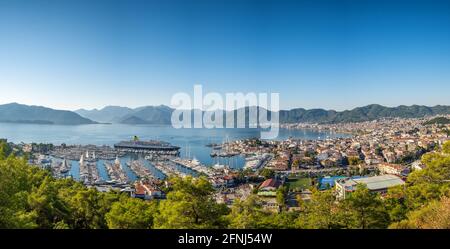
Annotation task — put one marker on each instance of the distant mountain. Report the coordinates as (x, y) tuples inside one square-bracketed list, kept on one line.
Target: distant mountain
[(111, 114), (18, 113), (162, 114), (360, 114), (133, 120), (150, 114), (124, 115)]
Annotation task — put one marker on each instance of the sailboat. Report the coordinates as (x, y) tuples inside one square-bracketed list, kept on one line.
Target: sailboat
[(219, 166), (195, 161), (65, 167), (81, 160)]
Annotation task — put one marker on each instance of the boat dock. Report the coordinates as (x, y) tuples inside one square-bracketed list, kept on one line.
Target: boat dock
[(194, 165), (89, 173), (167, 168), (139, 169), (91, 152), (60, 168), (116, 172)]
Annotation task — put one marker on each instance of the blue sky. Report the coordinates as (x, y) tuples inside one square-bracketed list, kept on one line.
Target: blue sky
[(316, 54)]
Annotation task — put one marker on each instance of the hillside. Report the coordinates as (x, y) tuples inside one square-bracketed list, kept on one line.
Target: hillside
[(162, 114), (18, 113), (106, 114), (438, 120)]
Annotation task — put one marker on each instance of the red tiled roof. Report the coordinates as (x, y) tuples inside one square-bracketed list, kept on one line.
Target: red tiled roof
[(140, 190), (270, 183)]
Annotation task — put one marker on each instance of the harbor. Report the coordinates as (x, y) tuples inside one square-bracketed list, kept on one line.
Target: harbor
[(168, 168), (116, 172), (90, 152), (89, 174), (194, 165), (140, 169), (60, 169)]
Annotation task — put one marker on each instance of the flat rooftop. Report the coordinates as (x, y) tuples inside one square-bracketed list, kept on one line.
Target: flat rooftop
[(373, 183)]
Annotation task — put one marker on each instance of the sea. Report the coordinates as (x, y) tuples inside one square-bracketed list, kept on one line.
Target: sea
[(193, 142)]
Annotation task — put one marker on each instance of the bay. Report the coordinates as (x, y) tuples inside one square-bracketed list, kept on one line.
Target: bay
[(191, 141)]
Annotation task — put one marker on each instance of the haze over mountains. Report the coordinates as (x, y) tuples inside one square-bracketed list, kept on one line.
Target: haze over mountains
[(162, 114), (141, 115), (18, 113)]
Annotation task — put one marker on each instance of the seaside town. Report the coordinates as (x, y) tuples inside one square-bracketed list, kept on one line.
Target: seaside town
[(379, 154)]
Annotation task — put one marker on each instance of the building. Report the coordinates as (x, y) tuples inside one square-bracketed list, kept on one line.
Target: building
[(379, 184), (27, 148), (392, 169), (269, 187), (146, 191)]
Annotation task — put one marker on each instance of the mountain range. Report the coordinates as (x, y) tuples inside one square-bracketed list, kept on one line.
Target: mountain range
[(18, 113), (360, 114), (162, 114), (140, 115)]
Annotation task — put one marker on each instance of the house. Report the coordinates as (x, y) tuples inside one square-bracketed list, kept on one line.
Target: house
[(146, 191), (27, 148), (378, 184), (269, 187), (393, 169), (372, 159), (229, 180)]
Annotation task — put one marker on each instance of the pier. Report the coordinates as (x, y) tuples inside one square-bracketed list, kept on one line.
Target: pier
[(194, 165), (167, 168), (91, 153), (140, 170), (88, 172), (60, 168), (116, 172)]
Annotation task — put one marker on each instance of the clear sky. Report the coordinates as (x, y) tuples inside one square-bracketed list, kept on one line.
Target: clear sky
[(316, 54)]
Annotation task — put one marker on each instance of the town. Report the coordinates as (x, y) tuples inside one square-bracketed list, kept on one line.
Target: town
[(379, 154)]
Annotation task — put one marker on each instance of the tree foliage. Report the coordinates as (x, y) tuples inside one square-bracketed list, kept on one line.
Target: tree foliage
[(31, 198), (131, 213), (190, 204), (435, 215)]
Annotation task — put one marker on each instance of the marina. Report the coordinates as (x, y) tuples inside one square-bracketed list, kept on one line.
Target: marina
[(116, 172), (89, 174), (194, 165), (60, 168), (91, 152), (168, 169), (140, 169)]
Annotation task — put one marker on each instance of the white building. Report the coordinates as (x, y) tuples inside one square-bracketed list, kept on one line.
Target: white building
[(379, 184)]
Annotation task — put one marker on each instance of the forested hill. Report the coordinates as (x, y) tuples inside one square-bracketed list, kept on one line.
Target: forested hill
[(360, 114), (18, 113), (162, 114)]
